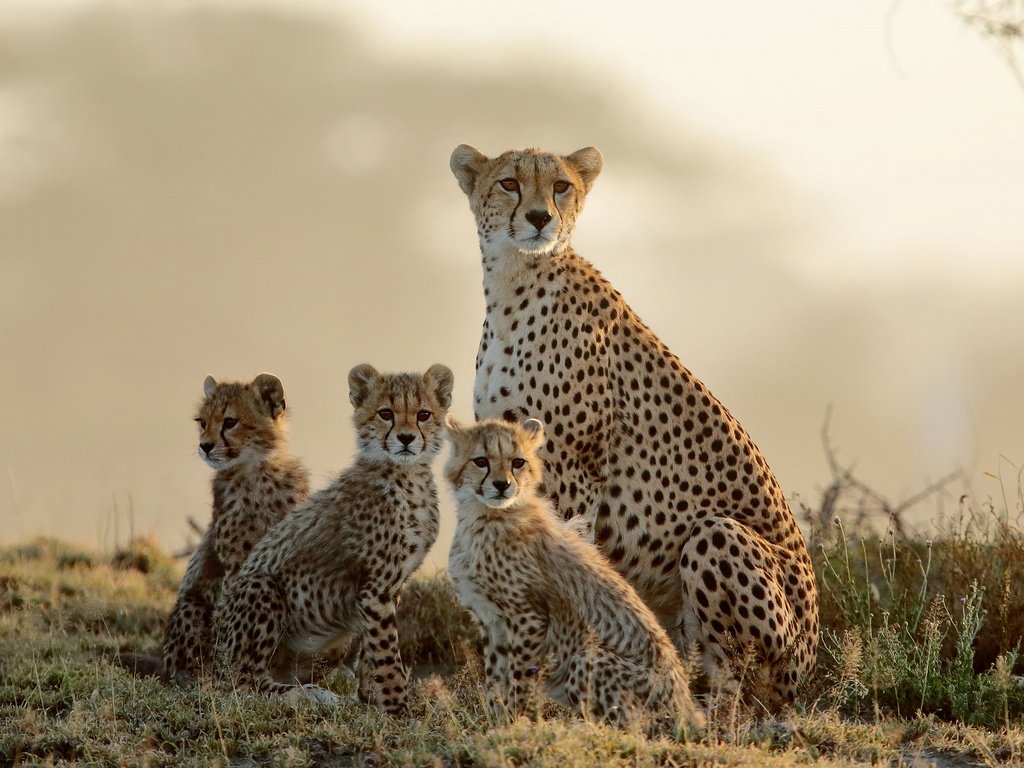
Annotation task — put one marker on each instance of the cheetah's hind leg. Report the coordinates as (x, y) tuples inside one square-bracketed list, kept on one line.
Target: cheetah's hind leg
[(734, 600), (250, 623)]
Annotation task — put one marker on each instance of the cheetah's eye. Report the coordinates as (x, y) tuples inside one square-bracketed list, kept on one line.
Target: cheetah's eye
[(518, 463), (386, 413), (561, 186), (229, 423), (202, 423), (481, 461), (423, 415), (509, 184)]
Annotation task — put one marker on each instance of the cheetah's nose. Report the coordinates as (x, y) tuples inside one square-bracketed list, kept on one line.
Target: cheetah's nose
[(206, 448), (501, 485), (406, 440), (538, 218)]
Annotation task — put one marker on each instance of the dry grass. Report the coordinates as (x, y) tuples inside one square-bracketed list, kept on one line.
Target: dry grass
[(64, 613)]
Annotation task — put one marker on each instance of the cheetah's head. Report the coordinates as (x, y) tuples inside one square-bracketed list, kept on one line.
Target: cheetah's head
[(241, 421), (399, 417), (495, 462), (525, 201)]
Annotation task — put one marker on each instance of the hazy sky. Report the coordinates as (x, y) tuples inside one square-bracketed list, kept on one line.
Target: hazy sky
[(811, 203)]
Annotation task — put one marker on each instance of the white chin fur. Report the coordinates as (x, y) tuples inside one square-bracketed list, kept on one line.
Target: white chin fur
[(246, 457), (404, 458), (497, 503), (532, 247)]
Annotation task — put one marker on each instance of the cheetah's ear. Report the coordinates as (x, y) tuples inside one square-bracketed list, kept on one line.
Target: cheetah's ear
[(361, 381), (271, 392), (439, 380), (466, 163), (587, 162), (455, 430), (209, 386), (534, 429)]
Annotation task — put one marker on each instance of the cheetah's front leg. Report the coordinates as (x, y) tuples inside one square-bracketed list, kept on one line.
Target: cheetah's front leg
[(384, 678), (576, 492), (526, 634), (187, 642), (496, 670)]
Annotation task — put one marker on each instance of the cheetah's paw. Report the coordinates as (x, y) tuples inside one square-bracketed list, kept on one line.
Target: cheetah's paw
[(315, 694)]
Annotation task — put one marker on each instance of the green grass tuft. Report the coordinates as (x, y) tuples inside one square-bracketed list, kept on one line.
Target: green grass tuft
[(933, 626)]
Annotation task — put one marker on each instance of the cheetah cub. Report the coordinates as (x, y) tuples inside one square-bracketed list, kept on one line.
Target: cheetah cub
[(243, 435), (553, 611), (330, 572)]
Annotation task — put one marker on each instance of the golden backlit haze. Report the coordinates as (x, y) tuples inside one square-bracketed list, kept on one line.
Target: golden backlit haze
[(235, 188)]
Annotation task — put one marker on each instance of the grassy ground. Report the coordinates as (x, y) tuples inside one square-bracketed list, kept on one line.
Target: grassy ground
[(919, 666)]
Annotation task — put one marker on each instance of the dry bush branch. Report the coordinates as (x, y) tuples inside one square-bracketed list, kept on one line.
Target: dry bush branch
[(859, 502), (1002, 21)]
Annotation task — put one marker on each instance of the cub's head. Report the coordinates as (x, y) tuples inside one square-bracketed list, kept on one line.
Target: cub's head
[(241, 421), (399, 416), (495, 462), (525, 200)]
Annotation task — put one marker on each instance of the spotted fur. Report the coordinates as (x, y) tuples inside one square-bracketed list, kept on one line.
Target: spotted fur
[(243, 436), (679, 497), (331, 571), (554, 613)]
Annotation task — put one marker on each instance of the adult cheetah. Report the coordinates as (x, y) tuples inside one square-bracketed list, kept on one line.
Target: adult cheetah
[(679, 497), (243, 435), (553, 610)]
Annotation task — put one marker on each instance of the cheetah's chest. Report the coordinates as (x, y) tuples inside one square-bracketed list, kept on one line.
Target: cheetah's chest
[(519, 320), (472, 565), (417, 514)]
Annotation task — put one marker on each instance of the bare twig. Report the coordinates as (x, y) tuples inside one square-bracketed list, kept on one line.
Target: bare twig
[(190, 545), (865, 502), (1001, 21)]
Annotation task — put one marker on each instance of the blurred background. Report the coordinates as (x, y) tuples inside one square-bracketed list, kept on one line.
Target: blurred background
[(814, 204)]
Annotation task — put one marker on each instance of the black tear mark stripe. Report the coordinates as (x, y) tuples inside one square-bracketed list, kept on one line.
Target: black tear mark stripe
[(223, 432), (487, 453), (519, 201)]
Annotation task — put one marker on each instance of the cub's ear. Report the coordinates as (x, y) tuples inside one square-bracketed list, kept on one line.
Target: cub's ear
[(439, 380), (455, 430), (361, 381), (209, 386), (271, 392), (534, 429), (587, 162), (466, 163)]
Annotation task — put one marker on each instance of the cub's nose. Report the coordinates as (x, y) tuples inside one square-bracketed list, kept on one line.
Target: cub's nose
[(405, 439), (501, 485), (538, 218), (206, 448)]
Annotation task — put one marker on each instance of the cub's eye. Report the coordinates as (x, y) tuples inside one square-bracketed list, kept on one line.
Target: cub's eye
[(229, 423), (202, 423), (510, 184), (481, 461), (386, 413), (423, 415), (518, 463), (561, 186)]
